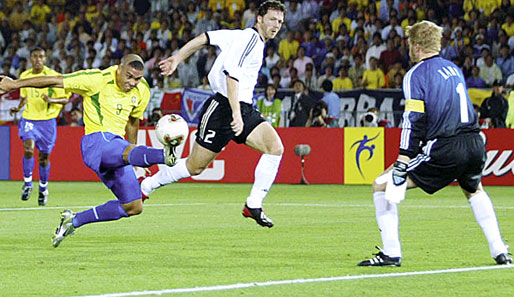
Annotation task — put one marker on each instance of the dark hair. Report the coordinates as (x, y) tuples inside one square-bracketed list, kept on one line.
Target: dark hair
[(271, 5), (35, 49), (327, 85)]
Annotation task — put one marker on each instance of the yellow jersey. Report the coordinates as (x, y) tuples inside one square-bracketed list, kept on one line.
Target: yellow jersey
[(37, 109), (106, 107)]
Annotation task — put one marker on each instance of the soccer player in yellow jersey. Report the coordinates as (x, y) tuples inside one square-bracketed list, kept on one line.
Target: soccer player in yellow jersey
[(114, 102), (38, 125)]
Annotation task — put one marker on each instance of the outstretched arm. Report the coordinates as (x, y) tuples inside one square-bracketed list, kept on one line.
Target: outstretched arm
[(7, 84), (169, 65)]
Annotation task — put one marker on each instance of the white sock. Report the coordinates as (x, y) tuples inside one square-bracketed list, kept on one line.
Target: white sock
[(388, 223), (165, 175), (265, 174), (484, 214)]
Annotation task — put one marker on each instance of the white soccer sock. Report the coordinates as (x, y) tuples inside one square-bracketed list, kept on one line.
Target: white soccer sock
[(165, 175), (388, 223), (265, 174), (484, 214)]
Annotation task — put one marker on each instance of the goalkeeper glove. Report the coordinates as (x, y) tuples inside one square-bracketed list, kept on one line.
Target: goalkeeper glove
[(400, 172)]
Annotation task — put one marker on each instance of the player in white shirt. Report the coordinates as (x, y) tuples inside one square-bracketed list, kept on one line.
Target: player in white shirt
[(229, 115)]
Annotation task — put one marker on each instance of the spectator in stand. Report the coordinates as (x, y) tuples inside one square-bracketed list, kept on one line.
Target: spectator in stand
[(448, 51), (386, 6), (6, 69), (356, 71), (249, 15), (391, 75), (375, 50), (510, 81), (76, 118), (495, 107), (294, 16), (475, 81), (342, 82), (333, 104), (204, 86), (490, 72), (505, 61), (508, 26), (18, 16), (393, 26), (479, 45), (373, 78), (311, 82), (341, 19), (269, 106), (301, 61), (188, 73), (275, 80), (480, 61), (288, 47), (329, 74), (389, 56), (271, 57), (310, 9), (396, 82), (318, 115)]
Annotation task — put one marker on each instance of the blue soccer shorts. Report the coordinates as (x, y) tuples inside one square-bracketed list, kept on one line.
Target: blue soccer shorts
[(44, 133), (103, 153)]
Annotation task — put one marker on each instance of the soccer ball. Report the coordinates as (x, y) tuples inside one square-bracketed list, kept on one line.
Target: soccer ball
[(172, 130)]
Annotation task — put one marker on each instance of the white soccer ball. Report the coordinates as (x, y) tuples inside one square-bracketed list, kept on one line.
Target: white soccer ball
[(172, 130)]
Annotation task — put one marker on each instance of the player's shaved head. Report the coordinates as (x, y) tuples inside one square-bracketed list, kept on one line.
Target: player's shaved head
[(134, 61)]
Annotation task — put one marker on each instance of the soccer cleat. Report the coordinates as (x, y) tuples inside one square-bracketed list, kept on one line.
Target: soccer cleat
[(25, 192), (43, 198), (143, 196), (258, 215), (381, 259), (169, 155), (503, 259), (65, 228)]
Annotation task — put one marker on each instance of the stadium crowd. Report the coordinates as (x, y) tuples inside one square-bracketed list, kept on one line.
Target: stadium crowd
[(353, 44)]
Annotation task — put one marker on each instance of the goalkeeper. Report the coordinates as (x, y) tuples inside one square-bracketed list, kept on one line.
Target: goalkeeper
[(440, 143)]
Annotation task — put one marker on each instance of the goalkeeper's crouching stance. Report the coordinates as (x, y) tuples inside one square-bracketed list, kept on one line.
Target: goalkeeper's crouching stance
[(440, 143)]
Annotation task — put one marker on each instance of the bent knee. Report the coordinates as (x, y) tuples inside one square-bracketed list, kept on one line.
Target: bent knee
[(276, 148)]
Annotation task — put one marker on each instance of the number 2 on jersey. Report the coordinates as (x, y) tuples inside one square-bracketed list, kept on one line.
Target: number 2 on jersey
[(464, 117)]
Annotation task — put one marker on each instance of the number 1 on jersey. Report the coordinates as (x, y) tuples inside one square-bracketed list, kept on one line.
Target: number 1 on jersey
[(464, 117)]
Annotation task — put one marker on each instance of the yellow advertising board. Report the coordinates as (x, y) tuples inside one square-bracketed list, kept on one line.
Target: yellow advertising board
[(364, 154)]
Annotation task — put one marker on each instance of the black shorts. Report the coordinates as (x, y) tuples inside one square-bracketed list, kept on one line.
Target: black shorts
[(214, 131), (460, 158)]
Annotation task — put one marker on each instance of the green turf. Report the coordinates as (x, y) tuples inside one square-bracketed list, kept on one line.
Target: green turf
[(193, 235)]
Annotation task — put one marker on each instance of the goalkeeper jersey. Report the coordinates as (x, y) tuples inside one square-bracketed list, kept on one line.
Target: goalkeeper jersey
[(437, 104)]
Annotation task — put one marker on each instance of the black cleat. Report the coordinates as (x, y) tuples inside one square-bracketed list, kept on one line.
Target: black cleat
[(503, 259), (43, 198), (25, 192), (381, 259), (258, 215)]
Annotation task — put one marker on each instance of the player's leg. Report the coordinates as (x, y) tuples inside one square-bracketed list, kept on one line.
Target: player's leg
[(387, 217), (28, 168), (199, 159), (145, 156), (264, 138), (46, 135), (485, 216)]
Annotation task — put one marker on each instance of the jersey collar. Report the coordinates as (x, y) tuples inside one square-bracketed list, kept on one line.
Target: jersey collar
[(258, 33)]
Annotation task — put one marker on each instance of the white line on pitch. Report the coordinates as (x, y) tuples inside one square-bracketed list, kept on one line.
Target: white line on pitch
[(276, 204), (296, 281)]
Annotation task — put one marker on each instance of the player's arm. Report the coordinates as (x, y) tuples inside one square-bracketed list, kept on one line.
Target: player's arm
[(7, 84), (13, 110), (55, 100), (233, 99), (169, 65), (131, 129)]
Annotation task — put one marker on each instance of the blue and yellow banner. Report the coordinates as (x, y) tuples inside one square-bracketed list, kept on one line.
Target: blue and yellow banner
[(363, 154)]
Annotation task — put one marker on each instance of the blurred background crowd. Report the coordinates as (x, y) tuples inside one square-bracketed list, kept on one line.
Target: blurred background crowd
[(352, 44)]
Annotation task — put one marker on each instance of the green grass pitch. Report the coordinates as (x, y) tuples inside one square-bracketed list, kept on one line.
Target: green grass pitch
[(193, 235)]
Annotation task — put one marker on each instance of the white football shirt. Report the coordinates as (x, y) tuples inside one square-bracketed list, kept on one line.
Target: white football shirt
[(240, 58)]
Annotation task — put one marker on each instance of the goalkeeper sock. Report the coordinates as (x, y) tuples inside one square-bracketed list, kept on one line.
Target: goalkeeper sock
[(388, 223), (109, 211), (265, 174), (484, 214), (165, 175), (145, 156)]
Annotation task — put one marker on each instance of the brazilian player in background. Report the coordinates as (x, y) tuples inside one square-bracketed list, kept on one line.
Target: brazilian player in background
[(440, 143), (114, 102), (38, 125)]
